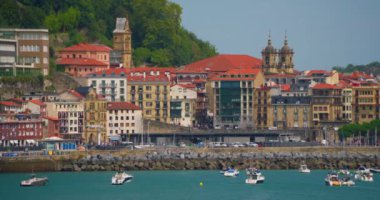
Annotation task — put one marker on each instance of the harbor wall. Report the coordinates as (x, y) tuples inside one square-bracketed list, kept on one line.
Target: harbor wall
[(197, 159)]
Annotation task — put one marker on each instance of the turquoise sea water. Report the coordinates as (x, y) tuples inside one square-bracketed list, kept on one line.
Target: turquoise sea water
[(167, 185)]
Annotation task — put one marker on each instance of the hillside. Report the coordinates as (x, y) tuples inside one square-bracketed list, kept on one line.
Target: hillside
[(371, 68), (158, 37)]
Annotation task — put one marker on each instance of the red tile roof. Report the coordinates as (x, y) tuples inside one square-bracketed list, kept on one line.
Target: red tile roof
[(80, 62), (232, 79), (18, 100), (325, 86), (116, 71), (200, 80), (189, 86), (160, 78), (37, 102), (312, 72), (280, 75), (154, 69), (285, 87), (87, 47), (224, 62), (9, 103), (122, 106), (75, 93)]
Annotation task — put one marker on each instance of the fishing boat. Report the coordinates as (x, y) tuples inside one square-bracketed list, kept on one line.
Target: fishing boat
[(34, 181), (303, 169), (254, 177), (231, 173), (120, 178), (332, 179)]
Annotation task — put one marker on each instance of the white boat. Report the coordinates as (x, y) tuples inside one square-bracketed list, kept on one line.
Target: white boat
[(374, 170), (231, 173), (344, 171), (347, 181), (255, 178), (120, 178), (332, 179), (34, 181), (364, 176), (252, 170), (303, 169), (362, 169)]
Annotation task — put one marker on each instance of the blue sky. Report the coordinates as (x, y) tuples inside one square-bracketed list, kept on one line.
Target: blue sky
[(323, 33)]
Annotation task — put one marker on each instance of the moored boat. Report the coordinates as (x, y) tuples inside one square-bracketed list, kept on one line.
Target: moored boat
[(120, 178), (254, 177), (374, 170), (364, 176), (303, 169), (231, 173), (332, 179), (347, 181), (34, 181)]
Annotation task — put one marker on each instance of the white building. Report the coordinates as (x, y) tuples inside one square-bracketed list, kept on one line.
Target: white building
[(182, 104), (111, 83), (123, 119)]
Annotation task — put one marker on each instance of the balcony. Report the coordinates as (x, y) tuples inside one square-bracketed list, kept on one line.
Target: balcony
[(107, 85)]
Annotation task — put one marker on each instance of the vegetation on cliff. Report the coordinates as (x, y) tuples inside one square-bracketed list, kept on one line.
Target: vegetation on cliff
[(371, 68), (157, 35)]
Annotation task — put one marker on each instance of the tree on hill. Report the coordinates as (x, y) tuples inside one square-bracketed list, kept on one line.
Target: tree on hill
[(158, 37), (371, 68)]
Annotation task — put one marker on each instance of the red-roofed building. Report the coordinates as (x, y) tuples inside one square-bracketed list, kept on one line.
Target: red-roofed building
[(37, 107), (124, 120), (83, 58), (10, 106), (111, 83)]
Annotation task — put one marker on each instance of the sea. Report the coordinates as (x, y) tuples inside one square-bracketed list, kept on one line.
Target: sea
[(178, 185)]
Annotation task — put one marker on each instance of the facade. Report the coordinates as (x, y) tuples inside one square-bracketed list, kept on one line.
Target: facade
[(111, 83), (20, 129), (95, 111), (152, 95), (182, 104), (233, 99), (365, 103), (32, 48), (37, 107), (278, 61), (123, 119), (71, 119), (262, 108), (52, 126), (122, 43), (82, 59), (326, 105), (347, 98), (10, 106)]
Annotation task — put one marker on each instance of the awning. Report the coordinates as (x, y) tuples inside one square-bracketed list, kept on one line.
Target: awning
[(114, 137), (30, 141)]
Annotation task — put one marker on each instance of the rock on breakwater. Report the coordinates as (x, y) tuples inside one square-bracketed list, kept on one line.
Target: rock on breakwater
[(193, 159)]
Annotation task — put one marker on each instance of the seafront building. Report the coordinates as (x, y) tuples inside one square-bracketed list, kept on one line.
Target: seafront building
[(182, 104), (365, 103)]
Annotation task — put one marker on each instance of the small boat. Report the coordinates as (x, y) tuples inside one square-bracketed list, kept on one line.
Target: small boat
[(347, 181), (254, 178), (362, 169), (303, 169), (231, 173), (374, 170), (332, 179), (34, 181), (120, 178), (364, 176), (252, 170)]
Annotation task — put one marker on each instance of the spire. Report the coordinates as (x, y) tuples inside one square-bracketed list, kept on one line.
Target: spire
[(286, 39), (269, 39)]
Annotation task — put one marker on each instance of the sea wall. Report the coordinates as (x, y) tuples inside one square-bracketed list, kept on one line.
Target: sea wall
[(196, 159)]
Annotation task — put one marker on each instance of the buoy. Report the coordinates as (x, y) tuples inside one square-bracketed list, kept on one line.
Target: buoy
[(201, 184)]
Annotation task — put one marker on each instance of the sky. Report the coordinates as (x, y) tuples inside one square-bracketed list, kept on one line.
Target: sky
[(322, 33)]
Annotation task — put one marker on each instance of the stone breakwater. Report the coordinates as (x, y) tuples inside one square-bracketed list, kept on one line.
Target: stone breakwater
[(197, 159)]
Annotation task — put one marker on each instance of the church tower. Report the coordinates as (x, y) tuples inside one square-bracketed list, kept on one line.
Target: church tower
[(122, 42), (285, 56), (269, 55)]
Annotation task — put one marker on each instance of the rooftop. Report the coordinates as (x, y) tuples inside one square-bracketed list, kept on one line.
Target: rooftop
[(87, 47), (122, 106), (80, 62)]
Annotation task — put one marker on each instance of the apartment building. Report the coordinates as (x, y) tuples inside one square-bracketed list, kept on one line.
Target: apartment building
[(95, 119), (365, 103), (182, 104)]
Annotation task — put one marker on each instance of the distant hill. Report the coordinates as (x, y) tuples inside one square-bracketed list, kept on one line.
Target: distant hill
[(158, 37), (371, 68)]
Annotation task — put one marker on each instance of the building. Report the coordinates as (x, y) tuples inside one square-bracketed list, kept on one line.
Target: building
[(123, 120), (262, 108), (323, 76), (111, 83), (82, 59), (233, 99), (290, 112), (182, 104), (152, 95), (20, 129), (347, 98), (365, 103), (25, 49), (71, 119), (52, 126), (10, 106), (277, 61), (37, 107), (122, 43), (95, 111)]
